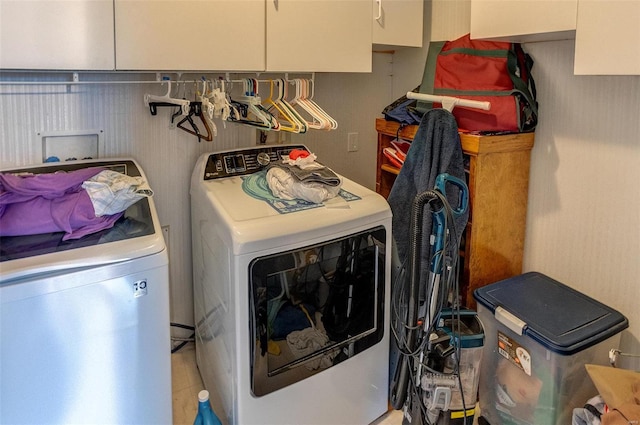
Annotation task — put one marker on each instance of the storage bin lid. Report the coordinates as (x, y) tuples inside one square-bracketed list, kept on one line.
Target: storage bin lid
[(560, 318)]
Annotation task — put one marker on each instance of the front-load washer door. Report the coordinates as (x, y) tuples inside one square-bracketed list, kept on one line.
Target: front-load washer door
[(315, 307)]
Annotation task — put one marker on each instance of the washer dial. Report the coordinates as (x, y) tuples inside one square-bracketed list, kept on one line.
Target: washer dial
[(263, 158)]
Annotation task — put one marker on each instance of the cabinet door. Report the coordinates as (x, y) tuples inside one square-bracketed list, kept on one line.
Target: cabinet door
[(190, 35), (56, 34), (398, 22), (319, 35), (523, 20), (608, 38)]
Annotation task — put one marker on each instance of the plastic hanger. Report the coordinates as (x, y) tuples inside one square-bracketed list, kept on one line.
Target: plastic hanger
[(286, 123), (208, 108), (220, 100), (152, 101), (308, 99), (319, 119), (296, 103), (196, 109), (282, 99), (334, 123), (289, 121), (251, 110)]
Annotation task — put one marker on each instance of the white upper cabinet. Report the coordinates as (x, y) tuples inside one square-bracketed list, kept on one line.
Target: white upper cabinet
[(193, 35), (398, 22), (319, 35), (608, 38), (187, 35), (56, 34), (523, 20)]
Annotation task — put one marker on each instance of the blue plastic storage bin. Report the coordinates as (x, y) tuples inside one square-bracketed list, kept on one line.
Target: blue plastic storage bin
[(539, 334)]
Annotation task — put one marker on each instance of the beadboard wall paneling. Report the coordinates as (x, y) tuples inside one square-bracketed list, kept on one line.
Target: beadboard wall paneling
[(166, 154), (449, 19), (583, 224)]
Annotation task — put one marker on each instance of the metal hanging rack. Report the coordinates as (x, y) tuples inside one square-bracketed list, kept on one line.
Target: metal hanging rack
[(159, 78)]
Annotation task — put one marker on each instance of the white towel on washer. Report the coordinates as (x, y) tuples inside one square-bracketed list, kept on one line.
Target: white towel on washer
[(112, 192)]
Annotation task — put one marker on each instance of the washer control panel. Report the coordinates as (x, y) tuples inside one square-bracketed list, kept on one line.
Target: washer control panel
[(245, 161)]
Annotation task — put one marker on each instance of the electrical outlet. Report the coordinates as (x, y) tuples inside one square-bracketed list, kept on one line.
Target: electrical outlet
[(352, 142)]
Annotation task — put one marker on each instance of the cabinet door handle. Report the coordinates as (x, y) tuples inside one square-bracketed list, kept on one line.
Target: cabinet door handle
[(379, 10), (275, 4)]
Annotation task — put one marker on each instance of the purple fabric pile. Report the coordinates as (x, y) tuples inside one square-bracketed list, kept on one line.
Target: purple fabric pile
[(53, 202)]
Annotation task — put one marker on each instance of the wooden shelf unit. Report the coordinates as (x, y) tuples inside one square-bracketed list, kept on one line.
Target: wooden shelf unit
[(497, 168)]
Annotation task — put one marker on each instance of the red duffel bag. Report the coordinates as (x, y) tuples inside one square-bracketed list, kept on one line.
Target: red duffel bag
[(497, 72)]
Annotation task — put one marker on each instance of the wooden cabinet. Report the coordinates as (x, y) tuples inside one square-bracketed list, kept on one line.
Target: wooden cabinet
[(322, 36), (498, 178), (187, 35), (398, 22), (606, 31), (523, 21), (248, 35), (608, 38), (56, 34), (190, 35)]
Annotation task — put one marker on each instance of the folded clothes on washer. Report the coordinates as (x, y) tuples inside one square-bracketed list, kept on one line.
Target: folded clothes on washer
[(301, 177), (321, 174), (33, 204), (286, 185)]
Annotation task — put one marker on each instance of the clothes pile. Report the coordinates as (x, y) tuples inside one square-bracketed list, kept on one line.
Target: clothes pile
[(299, 176), (77, 202), (308, 341), (618, 401), (397, 152)]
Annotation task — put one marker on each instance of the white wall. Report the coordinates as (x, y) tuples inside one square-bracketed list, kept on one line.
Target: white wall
[(583, 224)]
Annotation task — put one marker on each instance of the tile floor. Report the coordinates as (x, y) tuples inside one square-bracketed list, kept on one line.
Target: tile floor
[(187, 383)]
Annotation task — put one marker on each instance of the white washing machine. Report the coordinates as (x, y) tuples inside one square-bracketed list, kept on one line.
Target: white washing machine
[(291, 298), (85, 322)]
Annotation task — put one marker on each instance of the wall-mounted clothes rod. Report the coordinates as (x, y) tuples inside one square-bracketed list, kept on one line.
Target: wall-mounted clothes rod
[(275, 109), (160, 78), (449, 102)]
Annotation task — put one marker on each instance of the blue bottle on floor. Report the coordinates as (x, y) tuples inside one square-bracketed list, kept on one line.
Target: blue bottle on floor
[(205, 415)]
